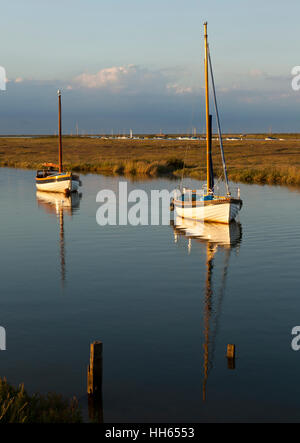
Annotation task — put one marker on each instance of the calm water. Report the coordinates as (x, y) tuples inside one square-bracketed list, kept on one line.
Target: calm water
[(164, 306)]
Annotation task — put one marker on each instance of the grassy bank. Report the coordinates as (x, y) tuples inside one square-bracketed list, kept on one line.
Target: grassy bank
[(248, 160), (16, 406)]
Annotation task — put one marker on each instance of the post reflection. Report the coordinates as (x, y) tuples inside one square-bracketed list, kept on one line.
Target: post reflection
[(59, 205), (214, 237)]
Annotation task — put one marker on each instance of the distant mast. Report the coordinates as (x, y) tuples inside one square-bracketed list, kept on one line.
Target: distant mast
[(59, 132)]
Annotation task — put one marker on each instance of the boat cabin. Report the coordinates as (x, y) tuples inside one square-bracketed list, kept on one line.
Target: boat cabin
[(195, 195), (48, 169)]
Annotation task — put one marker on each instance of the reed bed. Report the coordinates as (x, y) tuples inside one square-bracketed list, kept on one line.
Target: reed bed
[(249, 160), (16, 406)]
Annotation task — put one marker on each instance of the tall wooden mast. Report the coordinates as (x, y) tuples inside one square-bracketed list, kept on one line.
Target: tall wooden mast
[(208, 129), (59, 132)]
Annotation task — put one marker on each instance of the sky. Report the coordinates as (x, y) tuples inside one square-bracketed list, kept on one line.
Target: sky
[(138, 64)]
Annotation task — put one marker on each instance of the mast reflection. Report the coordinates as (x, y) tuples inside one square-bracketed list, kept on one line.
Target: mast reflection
[(59, 204), (214, 236)]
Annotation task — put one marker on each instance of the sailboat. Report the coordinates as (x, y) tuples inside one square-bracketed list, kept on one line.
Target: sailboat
[(52, 178), (206, 204)]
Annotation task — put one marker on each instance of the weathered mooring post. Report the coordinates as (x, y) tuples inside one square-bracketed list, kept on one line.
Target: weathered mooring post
[(231, 356), (94, 382)]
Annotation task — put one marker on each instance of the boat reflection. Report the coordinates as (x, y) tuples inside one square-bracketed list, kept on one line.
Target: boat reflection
[(59, 204), (214, 237), (219, 234)]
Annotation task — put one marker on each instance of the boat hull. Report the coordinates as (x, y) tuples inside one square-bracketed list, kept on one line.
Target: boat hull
[(57, 184), (219, 211)]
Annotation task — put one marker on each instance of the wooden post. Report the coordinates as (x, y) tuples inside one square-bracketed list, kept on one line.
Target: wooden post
[(231, 356), (95, 368), (94, 382)]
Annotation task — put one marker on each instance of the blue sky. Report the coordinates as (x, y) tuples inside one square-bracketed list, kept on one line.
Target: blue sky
[(139, 64)]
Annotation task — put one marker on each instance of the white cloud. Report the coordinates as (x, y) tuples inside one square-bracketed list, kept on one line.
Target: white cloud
[(116, 78), (130, 79), (178, 89), (255, 73), (109, 77)]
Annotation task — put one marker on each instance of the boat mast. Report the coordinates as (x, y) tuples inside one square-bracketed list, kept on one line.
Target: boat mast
[(59, 132), (208, 129)]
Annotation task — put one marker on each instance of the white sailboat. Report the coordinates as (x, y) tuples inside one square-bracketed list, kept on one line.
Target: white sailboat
[(52, 178), (205, 204)]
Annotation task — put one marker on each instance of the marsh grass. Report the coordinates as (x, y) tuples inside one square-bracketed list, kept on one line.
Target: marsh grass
[(249, 161), (16, 406)]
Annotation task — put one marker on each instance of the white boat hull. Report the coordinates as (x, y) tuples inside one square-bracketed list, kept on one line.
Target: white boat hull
[(220, 212), (59, 186)]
